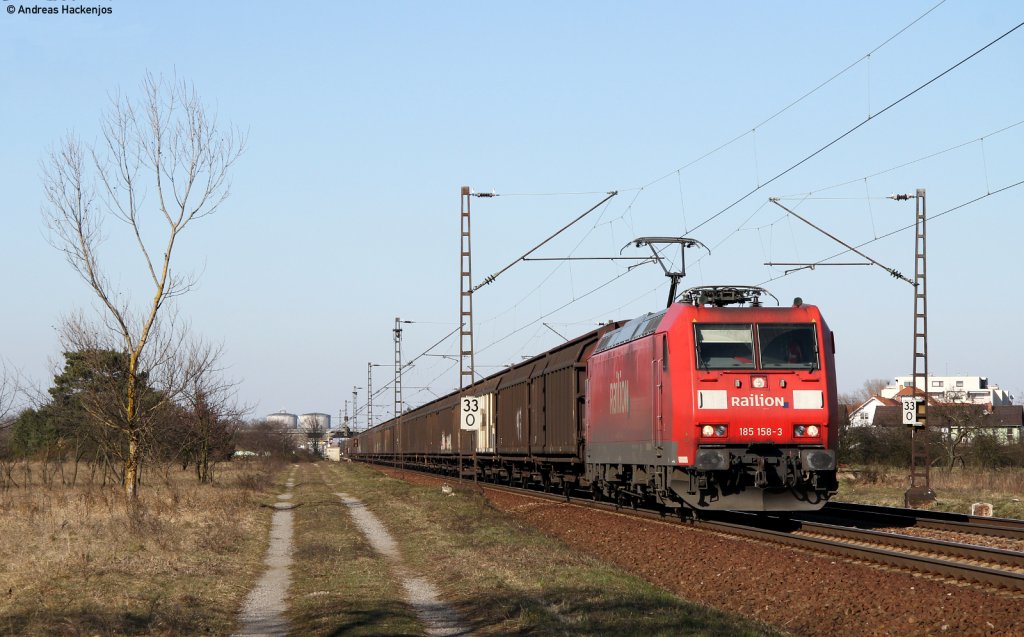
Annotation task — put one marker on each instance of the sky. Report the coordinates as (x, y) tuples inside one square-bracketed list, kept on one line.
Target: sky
[(365, 119)]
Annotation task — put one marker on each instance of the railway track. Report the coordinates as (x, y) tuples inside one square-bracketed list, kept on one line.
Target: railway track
[(999, 569), (872, 516)]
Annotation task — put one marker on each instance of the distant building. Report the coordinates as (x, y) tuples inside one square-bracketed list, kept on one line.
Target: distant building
[(864, 414), (333, 450), (954, 389), (284, 419), (1005, 422), (955, 403), (315, 421)]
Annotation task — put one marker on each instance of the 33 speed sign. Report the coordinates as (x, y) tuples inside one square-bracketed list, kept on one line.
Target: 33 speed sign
[(470, 415)]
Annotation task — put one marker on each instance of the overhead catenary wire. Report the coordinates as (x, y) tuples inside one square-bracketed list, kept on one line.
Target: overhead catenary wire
[(549, 276), (766, 120), (761, 185), (891, 271), (906, 227), (808, 194), (819, 150), (858, 126), (490, 279), (794, 102)]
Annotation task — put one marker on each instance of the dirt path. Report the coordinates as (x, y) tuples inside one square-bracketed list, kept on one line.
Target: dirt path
[(262, 615), (438, 618)]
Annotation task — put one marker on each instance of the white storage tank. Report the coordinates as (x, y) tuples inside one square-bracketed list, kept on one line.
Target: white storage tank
[(315, 421), (284, 419)]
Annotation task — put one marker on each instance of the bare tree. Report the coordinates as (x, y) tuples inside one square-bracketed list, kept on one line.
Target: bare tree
[(959, 421), (870, 387), (314, 431), (162, 164), (211, 413), (8, 393)]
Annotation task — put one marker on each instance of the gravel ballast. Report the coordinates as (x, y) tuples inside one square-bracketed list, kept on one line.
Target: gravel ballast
[(797, 591)]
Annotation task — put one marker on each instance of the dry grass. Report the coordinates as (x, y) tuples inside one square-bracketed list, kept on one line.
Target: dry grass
[(77, 561), (345, 587), (503, 577), (956, 490)]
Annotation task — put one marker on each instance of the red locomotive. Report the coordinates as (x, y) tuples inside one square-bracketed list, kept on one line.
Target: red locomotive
[(702, 406), (714, 406)]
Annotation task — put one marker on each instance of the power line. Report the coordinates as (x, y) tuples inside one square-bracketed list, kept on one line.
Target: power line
[(787, 170), (794, 102), (806, 195), (904, 228), (489, 279), (557, 309), (856, 127)]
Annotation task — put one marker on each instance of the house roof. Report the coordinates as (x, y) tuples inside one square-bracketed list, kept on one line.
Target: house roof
[(912, 391), (947, 414)]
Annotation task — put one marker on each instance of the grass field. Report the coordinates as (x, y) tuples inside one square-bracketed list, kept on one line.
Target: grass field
[(503, 577), (955, 490), (76, 561)]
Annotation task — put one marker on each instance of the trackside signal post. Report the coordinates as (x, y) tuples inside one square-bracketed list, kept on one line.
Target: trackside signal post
[(914, 406), (915, 409), (467, 369)]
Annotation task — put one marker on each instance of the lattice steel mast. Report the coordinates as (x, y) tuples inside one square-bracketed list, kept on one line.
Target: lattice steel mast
[(369, 395), (920, 491), (467, 369), (398, 367)]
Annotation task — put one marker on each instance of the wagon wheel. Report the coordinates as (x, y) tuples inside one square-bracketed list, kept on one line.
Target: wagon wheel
[(687, 515)]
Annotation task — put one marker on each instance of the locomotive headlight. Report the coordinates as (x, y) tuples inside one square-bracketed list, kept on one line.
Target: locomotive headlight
[(799, 430), (707, 431), (812, 431), (758, 382), (720, 430)]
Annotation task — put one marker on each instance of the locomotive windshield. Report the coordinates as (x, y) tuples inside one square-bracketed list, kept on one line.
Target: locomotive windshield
[(787, 346), (780, 346), (723, 346)]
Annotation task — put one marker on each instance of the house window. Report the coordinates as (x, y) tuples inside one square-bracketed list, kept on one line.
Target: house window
[(959, 383), (936, 383)]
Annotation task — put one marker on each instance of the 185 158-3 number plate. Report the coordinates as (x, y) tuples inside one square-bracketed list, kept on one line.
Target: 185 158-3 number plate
[(759, 432)]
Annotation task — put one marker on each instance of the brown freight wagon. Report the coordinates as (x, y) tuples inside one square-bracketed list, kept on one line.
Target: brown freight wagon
[(530, 423)]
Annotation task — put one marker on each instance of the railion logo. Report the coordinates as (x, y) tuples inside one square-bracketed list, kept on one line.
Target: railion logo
[(757, 400), (618, 395)]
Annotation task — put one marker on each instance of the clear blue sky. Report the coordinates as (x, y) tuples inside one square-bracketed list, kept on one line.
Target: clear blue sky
[(366, 118)]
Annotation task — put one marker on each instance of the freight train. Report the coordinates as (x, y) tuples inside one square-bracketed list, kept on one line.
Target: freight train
[(717, 402)]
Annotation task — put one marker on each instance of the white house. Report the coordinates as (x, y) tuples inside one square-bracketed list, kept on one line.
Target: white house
[(864, 414), (954, 389)]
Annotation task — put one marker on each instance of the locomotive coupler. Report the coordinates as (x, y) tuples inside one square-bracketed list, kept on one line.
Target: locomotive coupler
[(760, 476)]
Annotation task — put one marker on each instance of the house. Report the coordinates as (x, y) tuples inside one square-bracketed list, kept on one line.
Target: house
[(954, 389), (1005, 422), (864, 414)]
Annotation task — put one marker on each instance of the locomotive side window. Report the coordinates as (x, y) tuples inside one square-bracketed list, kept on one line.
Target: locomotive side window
[(792, 346), (724, 346)]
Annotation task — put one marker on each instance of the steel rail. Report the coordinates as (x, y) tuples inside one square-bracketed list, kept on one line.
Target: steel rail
[(922, 519)]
